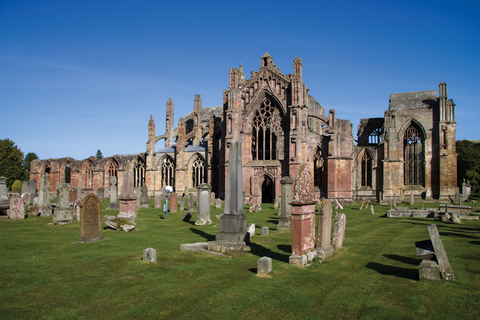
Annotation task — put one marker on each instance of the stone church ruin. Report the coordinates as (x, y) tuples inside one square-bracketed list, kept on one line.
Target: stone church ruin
[(410, 151)]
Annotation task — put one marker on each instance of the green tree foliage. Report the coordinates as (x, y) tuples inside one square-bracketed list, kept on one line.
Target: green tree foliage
[(29, 157), (468, 164), (11, 158), (17, 186), (99, 154)]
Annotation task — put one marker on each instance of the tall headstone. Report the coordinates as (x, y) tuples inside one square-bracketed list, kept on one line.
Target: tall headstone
[(144, 197), (218, 203), (303, 218), (73, 195), (276, 202), (26, 198), (339, 231), (31, 188), (412, 199), (63, 214), (324, 246), (100, 193), (44, 196), (181, 203), (17, 209), (285, 218), (173, 202), (158, 200), (191, 203), (113, 189), (127, 200), (233, 223), (90, 223), (203, 205), (3, 189), (24, 187), (212, 198)]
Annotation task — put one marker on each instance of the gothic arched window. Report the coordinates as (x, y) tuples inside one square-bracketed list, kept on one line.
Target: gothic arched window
[(267, 128), (88, 173), (375, 136), (414, 156), (112, 168), (366, 169), (138, 173), (168, 176), (198, 172)]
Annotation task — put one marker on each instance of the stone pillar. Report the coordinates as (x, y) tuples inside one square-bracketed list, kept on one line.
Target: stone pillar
[(303, 218), (324, 246), (127, 205), (203, 205), (63, 214), (285, 218), (44, 196), (233, 223)]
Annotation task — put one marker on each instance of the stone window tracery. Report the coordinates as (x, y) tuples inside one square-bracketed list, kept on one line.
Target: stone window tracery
[(112, 168), (375, 136), (168, 167), (88, 174), (198, 172), (267, 129), (366, 169), (138, 173), (414, 156)]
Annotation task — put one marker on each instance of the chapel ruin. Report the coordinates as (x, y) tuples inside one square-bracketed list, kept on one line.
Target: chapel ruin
[(411, 150)]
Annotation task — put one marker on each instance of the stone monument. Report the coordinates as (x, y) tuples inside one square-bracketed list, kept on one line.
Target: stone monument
[(63, 214), (3, 189), (127, 205), (191, 203), (233, 223), (303, 218), (339, 231), (31, 188), (144, 197), (324, 246), (90, 224), (285, 218), (44, 196), (203, 206), (17, 209)]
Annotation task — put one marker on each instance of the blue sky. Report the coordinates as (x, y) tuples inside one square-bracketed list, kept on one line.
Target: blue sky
[(77, 76)]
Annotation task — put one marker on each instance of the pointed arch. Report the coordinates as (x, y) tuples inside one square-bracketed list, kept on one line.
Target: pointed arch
[(166, 165), (198, 168), (45, 167), (414, 155), (318, 159), (138, 168), (87, 173), (65, 171), (365, 161)]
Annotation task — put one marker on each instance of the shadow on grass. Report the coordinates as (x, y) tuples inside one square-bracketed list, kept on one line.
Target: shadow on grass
[(253, 270), (407, 260), (385, 270), (285, 248), (261, 251), (208, 237), (474, 242), (456, 234)]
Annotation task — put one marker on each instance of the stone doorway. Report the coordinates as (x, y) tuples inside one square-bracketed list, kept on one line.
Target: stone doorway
[(268, 190)]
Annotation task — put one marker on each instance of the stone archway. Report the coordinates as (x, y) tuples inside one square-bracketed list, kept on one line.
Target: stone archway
[(268, 190)]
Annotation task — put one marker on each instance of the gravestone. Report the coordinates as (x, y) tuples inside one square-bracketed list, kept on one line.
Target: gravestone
[(158, 201), (264, 266), (100, 194), (218, 203), (187, 216), (440, 253), (212, 198), (394, 200), (371, 209), (303, 218), (173, 201), (412, 199), (324, 243), (339, 231), (127, 200), (233, 223), (203, 205), (44, 196), (90, 224), (63, 214), (191, 203), (113, 205), (264, 231), (276, 202), (31, 188), (3, 189), (428, 194), (17, 209), (181, 203), (285, 217), (26, 198), (144, 197), (338, 204), (251, 230), (149, 255), (24, 187)]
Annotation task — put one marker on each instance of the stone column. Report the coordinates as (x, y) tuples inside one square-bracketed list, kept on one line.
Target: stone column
[(303, 218), (285, 218), (233, 223), (324, 246), (203, 206)]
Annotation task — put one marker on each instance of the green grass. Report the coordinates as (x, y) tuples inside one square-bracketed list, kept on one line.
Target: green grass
[(47, 274)]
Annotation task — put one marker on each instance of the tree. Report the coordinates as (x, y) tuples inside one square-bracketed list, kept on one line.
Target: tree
[(26, 164), (468, 164), (17, 186), (11, 158), (99, 155)]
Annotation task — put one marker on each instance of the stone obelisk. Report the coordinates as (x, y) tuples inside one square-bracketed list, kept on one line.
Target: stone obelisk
[(233, 223)]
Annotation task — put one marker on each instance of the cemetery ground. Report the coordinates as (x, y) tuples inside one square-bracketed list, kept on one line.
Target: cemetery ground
[(47, 274)]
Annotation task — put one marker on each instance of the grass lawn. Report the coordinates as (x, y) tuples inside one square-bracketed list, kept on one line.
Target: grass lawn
[(47, 274)]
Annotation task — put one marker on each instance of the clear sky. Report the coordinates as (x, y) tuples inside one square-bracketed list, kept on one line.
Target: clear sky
[(77, 76)]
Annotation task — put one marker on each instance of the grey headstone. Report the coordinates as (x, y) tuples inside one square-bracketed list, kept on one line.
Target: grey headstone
[(440, 253), (3, 189), (31, 188), (144, 197), (203, 205), (339, 231), (63, 214), (158, 201), (264, 231), (218, 203), (113, 189), (191, 203), (412, 199), (285, 217), (429, 270), (90, 224), (100, 193), (264, 266), (44, 196), (150, 255)]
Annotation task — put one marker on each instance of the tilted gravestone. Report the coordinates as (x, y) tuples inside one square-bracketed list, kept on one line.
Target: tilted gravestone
[(339, 231), (90, 222), (440, 253)]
